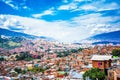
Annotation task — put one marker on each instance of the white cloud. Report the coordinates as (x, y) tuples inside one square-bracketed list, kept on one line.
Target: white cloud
[(96, 23), (74, 5), (91, 19), (47, 12), (59, 30), (25, 7), (77, 28), (78, 0), (9, 22), (70, 6), (110, 6), (103, 30), (99, 5), (11, 4), (65, 1), (64, 7), (88, 7), (15, 5), (68, 31), (81, 0)]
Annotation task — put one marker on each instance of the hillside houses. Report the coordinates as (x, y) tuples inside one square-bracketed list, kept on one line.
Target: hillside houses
[(49, 66)]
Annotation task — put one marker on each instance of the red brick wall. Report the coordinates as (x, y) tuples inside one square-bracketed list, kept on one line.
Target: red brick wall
[(101, 64)]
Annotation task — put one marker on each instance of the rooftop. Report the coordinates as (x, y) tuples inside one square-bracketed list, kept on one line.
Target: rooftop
[(101, 57)]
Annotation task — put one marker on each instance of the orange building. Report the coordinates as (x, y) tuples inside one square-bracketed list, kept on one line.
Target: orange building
[(101, 61)]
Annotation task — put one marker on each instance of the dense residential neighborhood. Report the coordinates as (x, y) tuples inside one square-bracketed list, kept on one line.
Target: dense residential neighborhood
[(51, 60), (59, 39)]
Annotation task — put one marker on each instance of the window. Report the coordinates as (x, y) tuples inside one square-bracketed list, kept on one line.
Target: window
[(99, 64), (110, 74)]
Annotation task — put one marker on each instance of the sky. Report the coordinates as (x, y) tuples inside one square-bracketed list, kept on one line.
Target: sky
[(63, 20)]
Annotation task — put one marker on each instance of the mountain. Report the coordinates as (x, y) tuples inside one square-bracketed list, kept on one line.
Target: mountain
[(6, 32), (106, 38), (10, 39)]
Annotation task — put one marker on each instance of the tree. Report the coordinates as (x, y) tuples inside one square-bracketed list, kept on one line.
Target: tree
[(94, 74), (116, 52), (37, 70), (68, 52), (18, 70), (24, 56), (2, 59), (28, 59)]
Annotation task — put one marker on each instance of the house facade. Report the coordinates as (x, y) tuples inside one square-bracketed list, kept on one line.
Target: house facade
[(114, 74), (101, 61)]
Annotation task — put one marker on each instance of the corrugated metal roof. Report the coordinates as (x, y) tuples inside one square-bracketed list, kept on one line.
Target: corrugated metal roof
[(101, 57)]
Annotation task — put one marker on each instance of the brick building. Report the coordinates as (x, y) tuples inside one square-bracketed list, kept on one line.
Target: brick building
[(101, 61)]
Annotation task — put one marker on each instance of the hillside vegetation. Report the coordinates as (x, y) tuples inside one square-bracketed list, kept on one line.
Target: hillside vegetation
[(10, 43)]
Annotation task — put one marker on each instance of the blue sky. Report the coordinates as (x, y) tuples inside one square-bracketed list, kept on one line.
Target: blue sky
[(63, 20)]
